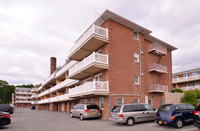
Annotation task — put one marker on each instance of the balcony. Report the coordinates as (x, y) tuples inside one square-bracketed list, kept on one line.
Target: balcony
[(44, 93), (19, 101), (186, 79), (23, 97), (158, 68), (157, 49), (34, 102), (90, 88), (64, 97), (190, 88), (61, 73), (65, 83), (44, 101), (40, 88), (158, 88), (34, 90), (50, 80), (91, 40), (23, 93), (34, 96), (90, 65)]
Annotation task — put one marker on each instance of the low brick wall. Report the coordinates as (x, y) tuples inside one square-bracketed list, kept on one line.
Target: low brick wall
[(173, 97)]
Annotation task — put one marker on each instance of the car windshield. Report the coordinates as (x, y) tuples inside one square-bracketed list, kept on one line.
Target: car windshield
[(165, 108), (116, 109), (92, 107)]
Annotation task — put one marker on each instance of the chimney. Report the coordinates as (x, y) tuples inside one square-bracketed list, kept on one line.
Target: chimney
[(52, 65)]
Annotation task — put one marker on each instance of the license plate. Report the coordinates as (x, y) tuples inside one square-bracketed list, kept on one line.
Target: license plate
[(160, 122), (94, 112)]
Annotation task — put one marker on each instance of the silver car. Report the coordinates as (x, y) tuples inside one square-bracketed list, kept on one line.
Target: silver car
[(131, 113), (85, 111)]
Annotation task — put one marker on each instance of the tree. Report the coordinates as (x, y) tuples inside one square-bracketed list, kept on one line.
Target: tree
[(177, 90), (6, 91), (26, 86), (191, 97)]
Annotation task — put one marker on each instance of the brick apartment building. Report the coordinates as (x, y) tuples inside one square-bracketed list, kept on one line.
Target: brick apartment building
[(114, 61), (22, 97), (187, 80)]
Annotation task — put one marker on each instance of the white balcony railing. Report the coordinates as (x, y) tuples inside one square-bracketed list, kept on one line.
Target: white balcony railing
[(157, 48), (34, 102), (51, 77), (158, 88), (20, 101), (60, 98), (90, 87), (23, 97), (184, 79), (190, 88), (92, 30), (24, 93), (65, 68), (34, 90), (34, 96), (44, 93), (44, 101), (94, 57), (65, 83), (40, 88), (158, 68)]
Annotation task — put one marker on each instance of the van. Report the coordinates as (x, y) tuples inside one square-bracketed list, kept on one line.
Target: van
[(131, 113)]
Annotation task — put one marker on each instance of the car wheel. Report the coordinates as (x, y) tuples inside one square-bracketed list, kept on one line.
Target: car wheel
[(71, 115), (130, 121), (81, 117), (199, 127), (178, 123)]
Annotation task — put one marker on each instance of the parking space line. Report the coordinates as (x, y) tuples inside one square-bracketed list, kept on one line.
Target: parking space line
[(190, 129)]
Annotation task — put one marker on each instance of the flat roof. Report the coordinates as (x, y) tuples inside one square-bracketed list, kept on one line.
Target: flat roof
[(187, 71)]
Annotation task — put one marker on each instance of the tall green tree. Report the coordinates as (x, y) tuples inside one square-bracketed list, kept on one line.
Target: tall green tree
[(191, 97), (6, 91)]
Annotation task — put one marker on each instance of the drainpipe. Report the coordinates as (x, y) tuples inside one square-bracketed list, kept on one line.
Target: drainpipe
[(140, 66)]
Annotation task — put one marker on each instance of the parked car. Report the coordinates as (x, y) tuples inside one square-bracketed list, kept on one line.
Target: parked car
[(175, 114), (32, 107), (6, 108), (13, 106), (196, 113), (131, 113), (85, 111), (4, 118)]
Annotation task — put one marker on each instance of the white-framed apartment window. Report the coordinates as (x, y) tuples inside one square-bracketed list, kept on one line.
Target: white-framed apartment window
[(136, 101), (102, 103), (120, 100), (136, 57), (84, 101), (136, 80), (92, 100), (136, 35), (98, 77), (150, 102), (87, 80), (186, 75)]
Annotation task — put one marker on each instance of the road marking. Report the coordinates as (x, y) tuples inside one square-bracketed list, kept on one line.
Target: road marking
[(189, 129)]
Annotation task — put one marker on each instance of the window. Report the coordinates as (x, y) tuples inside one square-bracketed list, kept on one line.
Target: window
[(136, 100), (101, 103), (162, 102), (87, 80), (136, 35), (136, 79), (92, 100), (150, 102), (191, 107), (120, 101), (148, 107), (136, 57), (181, 107), (84, 101), (186, 75), (98, 77)]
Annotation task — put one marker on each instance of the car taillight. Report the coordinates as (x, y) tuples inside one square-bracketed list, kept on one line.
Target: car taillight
[(154, 117), (172, 118), (8, 116), (87, 110), (196, 112), (120, 115), (98, 110), (11, 109)]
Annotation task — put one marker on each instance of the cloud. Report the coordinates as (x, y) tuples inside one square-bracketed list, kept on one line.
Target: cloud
[(31, 31)]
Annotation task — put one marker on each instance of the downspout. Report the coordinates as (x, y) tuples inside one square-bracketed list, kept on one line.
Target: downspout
[(140, 66)]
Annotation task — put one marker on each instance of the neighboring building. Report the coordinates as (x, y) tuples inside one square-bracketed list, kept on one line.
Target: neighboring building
[(34, 96), (114, 61), (187, 80), (22, 97)]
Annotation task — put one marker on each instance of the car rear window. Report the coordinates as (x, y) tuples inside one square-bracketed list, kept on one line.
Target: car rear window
[(116, 109), (165, 108), (92, 107)]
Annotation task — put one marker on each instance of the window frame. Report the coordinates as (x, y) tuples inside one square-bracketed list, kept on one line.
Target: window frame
[(101, 103), (137, 36), (138, 79), (137, 56), (121, 99), (138, 101)]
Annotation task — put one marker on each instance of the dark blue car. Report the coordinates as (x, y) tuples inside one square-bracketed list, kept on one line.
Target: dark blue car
[(175, 114)]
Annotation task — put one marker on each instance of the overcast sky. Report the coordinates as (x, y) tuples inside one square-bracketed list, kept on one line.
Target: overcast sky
[(31, 31)]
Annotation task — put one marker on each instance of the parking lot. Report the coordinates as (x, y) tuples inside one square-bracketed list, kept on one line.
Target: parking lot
[(25, 119)]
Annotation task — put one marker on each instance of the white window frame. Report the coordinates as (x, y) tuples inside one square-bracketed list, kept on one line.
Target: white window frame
[(136, 99), (136, 35), (120, 98), (100, 74), (100, 103), (84, 100), (92, 100), (138, 81), (87, 79), (137, 56)]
